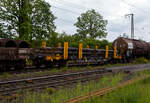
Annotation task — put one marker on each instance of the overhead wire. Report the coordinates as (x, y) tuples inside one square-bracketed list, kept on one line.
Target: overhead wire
[(64, 20), (73, 12), (142, 10), (68, 10), (62, 9), (77, 5), (135, 7)]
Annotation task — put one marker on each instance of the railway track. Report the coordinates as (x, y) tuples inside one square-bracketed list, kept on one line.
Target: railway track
[(32, 71), (11, 87), (8, 88), (104, 91)]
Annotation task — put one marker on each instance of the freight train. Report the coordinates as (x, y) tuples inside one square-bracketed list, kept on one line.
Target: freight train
[(14, 54)]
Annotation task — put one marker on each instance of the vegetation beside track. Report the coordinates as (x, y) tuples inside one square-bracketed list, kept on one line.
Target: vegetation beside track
[(64, 94), (141, 60), (138, 92)]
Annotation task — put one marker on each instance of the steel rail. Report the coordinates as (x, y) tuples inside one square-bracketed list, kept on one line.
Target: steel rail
[(53, 76), (105, 90), (10, 87)]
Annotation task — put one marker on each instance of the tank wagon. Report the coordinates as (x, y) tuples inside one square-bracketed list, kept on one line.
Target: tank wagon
[(132, 48)]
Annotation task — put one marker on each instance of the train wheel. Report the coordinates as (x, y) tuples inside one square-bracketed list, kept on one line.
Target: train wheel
[(2, 67), (48, 64), (37, 63), (20, 65), (62, 63)]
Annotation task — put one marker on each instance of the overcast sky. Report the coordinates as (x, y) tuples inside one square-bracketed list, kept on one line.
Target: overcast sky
[(114, 11)]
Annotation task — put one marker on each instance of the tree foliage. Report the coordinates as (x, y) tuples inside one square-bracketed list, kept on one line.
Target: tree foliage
[(91, 24), (73, 41), (14, 17), (26, 19), (42, 20), (2, 34)]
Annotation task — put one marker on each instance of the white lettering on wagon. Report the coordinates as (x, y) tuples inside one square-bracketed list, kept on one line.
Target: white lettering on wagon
[(130, 45)]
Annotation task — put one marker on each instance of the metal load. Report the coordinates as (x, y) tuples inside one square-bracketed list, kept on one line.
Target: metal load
[(66, 53), (9, 43)]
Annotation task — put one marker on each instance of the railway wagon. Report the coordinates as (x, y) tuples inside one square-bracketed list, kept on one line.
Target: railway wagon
[(49, 56), (132, 48), (13, 54)]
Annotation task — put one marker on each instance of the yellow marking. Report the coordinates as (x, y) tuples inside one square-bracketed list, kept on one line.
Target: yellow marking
[(58, 57), (87, 46), (106, 52), (96, 47), (120, 57), (49, 58), (115, 53), (65, 50), (80, 51), (59, 44), (43, 44)]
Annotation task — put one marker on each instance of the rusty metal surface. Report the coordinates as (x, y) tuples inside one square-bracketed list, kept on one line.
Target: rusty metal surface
[(14, 53), (139, 47), (7, 43), (23, 44), (8, 53), (14, 43)]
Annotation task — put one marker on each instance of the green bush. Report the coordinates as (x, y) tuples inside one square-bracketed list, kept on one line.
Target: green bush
[(50, 90), (141, 60)]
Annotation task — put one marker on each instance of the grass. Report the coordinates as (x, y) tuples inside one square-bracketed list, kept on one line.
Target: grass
[(51, 95), (135, 93), (64, 94), (141, 60)]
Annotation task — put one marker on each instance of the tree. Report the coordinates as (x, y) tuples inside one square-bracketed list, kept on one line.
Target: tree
[(14, 17), (42, 20), (26, 19), (24, 28), (91, 24)]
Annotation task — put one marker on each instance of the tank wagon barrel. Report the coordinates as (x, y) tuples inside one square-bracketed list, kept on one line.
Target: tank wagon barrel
[(132, 48)]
